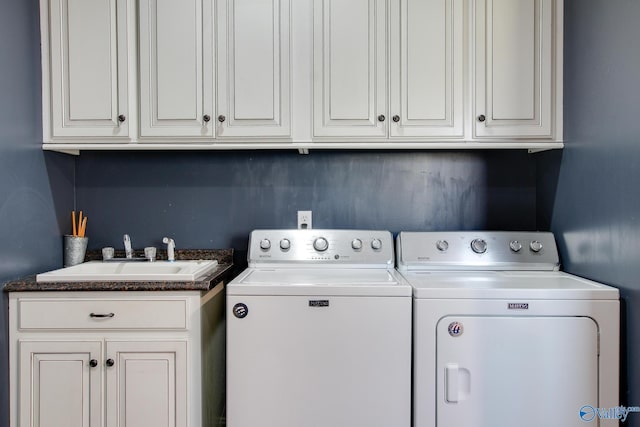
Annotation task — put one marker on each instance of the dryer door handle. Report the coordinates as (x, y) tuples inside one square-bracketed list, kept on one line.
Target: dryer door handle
[(457, 383), (451, 382)]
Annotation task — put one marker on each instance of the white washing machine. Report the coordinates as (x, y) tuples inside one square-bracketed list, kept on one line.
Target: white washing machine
[(502, 338), (319, 332)]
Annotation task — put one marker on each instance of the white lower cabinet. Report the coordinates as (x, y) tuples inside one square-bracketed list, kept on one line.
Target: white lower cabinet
[(57, 385), (88, 367)]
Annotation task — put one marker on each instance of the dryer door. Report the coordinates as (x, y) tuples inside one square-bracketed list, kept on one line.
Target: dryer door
[(524, 371)]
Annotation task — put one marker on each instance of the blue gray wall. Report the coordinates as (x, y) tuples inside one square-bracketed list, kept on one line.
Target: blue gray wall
[(214, 199), (589, 194), (33, 185)]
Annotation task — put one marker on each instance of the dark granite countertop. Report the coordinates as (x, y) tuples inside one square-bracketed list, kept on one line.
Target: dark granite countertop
[(224, 273)]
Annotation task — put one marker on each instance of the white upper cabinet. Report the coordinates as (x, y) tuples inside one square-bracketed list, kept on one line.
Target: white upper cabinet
[(350, 68), (421, 96), (176, 56), (427, 68), (85, 76), (253, 68), (515, 69), (303, 74)]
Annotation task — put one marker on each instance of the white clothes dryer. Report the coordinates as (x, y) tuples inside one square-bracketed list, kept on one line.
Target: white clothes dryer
[(501, 338), (319, 332)]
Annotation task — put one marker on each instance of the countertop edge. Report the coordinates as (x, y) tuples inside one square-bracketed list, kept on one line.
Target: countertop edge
[(223, 273)]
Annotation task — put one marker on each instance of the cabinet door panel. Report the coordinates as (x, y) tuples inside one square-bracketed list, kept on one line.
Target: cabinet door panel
[(514, 68), (57, 385), (146, 377), (176, 67), (427, 68), (89, 78), (350, 75), (254, 68)]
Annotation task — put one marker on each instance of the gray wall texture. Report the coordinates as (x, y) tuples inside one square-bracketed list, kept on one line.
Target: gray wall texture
[(33, 185), (589, 192), (214, 199)]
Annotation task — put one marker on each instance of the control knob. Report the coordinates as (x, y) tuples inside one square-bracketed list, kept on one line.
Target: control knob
[(535, 246), (479, 246), (265, 244), (515, 246), (285, 244), (356, 244), (376, 244), (442, 245), (320, 244)]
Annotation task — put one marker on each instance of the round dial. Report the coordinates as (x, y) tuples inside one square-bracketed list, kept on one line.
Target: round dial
[(356, 244), (442, 245), (320, 244), (515, 246), (376, 244), (479, 246), (285, 244), (535, 246), (265, 244)]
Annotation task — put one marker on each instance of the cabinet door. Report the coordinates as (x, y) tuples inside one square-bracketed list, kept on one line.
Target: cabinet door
[(427, 68), (88, 68), (514, 68), (57, 384), (146, 383), (350, 68), (176, 68), (253, 68)]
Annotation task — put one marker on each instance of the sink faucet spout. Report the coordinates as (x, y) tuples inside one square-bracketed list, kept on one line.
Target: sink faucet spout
[(171, 248), (128, 250)]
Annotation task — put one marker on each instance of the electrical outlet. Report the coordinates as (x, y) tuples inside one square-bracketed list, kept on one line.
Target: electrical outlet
[(304, 220)]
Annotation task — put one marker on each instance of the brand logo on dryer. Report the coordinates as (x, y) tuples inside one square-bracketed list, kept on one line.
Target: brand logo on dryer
[(319, 303), (455, 329), (518, 306)]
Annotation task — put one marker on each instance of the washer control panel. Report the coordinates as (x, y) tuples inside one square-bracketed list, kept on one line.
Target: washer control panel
[(472, 250), (361, 247)]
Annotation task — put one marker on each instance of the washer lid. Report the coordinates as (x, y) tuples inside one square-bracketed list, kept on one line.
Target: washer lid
[(506, 284), (314, 281)]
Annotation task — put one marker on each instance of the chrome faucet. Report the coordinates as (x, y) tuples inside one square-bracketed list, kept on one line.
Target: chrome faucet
[(128, 251), (171, 248)]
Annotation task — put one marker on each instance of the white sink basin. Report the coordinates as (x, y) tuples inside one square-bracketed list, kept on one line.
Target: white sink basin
[(131, 271)]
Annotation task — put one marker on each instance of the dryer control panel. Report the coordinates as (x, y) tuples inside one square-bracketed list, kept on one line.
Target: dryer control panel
[(477, 250), (364, 248)]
